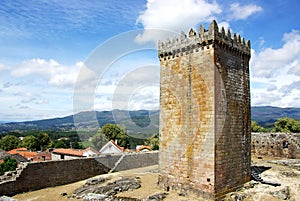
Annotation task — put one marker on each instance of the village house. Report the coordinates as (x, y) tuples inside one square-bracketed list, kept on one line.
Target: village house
[(111, 148), (143, 148), (24, 155), (24, 152), (65, 154)]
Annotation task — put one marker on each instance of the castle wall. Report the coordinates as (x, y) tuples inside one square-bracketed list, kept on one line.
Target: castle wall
[(53, 173), (283, 145), (233, 137), (205, 112)]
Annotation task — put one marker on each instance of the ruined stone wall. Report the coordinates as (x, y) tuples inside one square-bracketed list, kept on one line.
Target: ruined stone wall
[(52, 173), (284, 145), (204, 112)]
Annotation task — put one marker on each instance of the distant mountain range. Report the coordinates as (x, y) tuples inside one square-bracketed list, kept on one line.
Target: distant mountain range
[(267, 115), (141, 121)]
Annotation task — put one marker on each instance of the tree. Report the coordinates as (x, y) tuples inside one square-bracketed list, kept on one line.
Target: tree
[(116, 132), (9, 164), (287, 125), (255, 127), (43, 140), (9, 142), (30, 142), (99, 140), (153, 141), (60, 144)]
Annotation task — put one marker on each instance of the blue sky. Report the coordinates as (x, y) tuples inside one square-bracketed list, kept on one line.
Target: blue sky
[(45, 45)]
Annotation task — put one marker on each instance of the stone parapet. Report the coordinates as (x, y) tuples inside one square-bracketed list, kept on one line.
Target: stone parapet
[(195, 42)]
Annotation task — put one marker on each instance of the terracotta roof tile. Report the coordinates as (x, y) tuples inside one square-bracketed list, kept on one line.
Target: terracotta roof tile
[(28, 154), (72, 152), (17, 150), (142, 147)]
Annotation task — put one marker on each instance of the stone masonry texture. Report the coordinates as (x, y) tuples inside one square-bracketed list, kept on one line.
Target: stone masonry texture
[(283, 145), (44, 174), (205, 134)]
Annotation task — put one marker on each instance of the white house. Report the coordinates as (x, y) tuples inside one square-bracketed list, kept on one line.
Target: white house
[(111, 148), (90, 152), (61, 154)]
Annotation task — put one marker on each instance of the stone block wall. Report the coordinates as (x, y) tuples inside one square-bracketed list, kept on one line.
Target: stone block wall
[(52, 173), (233, 123), (283, 145), (205, 140)]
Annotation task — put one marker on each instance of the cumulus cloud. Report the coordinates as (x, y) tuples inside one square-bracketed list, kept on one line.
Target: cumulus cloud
[(55, 73), (181, 15), (243, 12), (269, 62), (278, 69)]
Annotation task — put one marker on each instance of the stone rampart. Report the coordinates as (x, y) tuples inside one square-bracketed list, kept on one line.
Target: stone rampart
[(53, 173), (284, 145)]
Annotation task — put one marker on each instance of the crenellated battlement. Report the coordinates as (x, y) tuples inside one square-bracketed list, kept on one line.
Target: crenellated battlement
[(195, 42)]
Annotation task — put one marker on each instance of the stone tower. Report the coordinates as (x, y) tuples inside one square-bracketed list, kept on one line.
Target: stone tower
[(205, 138)]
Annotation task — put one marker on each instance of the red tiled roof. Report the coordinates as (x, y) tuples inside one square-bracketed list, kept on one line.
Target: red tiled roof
[(23, 152), (72, 152), (91, 149), (28, 154), (142, 147), (121, 148), (17, 150)]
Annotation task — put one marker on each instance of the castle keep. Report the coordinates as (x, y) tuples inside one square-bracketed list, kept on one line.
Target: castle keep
[(205, 139)]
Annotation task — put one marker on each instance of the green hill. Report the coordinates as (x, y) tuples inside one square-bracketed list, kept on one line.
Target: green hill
[(140, 121), (267, 115)]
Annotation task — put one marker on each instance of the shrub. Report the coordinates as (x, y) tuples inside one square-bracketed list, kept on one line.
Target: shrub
[(9, 164)]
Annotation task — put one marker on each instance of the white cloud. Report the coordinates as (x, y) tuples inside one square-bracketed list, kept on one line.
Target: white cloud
[(270, 62), (242, 12), (275, 73), (3, 67), (56, 74), (224, 24), (180, 15)]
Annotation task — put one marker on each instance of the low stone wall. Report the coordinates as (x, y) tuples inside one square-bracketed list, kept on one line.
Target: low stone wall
[(285, 145), (53, 173), (129, 161)]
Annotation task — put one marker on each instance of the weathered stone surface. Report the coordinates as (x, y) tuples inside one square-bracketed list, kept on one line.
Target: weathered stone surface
[(285, 145), (282, 194), (5, 198), (205, 139), (93, 190), (94, 197), (34, 176), (94, 181), (156, 197)]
